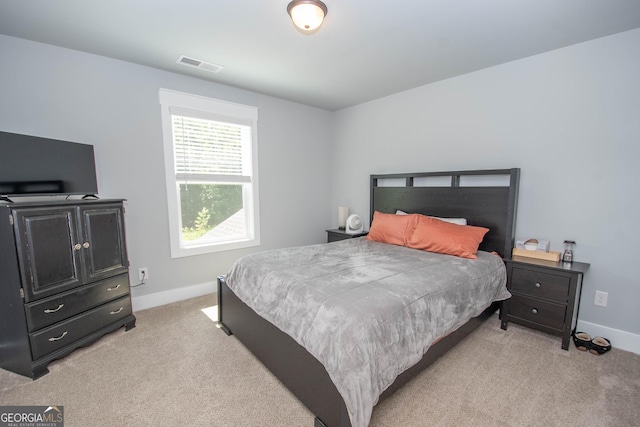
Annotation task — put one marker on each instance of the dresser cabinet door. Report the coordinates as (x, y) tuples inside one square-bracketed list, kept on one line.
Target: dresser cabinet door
[(48, 252), (104, 250)]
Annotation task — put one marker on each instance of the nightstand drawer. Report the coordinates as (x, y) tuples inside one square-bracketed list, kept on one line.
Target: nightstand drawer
[(541, 312), (540, 285), (337, 235)]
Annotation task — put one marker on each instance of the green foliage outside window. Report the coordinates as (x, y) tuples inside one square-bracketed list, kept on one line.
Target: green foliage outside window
[(204, 206)]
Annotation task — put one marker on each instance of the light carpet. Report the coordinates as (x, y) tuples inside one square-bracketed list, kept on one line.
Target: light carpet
[(177, 368)]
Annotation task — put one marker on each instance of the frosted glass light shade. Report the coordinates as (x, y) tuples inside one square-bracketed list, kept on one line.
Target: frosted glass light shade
[(343, 213), (307, 14)]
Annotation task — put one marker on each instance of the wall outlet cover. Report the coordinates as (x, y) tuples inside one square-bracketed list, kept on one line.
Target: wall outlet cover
[(601, 299)]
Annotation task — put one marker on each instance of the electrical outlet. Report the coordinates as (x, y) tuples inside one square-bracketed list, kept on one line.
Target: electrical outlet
[(601, 298), (143, 274)]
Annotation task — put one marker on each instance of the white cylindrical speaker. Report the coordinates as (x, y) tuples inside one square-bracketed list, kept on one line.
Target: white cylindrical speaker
[(354, 224)]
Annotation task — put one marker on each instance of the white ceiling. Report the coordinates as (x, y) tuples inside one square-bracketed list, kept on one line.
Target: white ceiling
[(366, 49)]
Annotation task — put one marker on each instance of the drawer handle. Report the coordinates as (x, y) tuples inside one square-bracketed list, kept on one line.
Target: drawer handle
[(534, 311), (52, 339), (537, 285), (114, 288), (117, 311), (77, 246), (85, 245), (53, 310)]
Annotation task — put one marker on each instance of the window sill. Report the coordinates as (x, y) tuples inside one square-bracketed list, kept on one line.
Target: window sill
[(207, 249)]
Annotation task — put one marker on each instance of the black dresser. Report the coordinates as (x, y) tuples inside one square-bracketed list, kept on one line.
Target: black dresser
[(64, 282)]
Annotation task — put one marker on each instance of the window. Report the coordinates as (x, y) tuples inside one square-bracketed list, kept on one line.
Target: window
[(211, 171)]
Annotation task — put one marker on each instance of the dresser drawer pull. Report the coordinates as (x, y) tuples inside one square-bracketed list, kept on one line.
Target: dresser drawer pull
[(534, 311), (537, 285), (53, 310), (114, 288), (52, 339), (117, 311), (85, 245), (77, 246)]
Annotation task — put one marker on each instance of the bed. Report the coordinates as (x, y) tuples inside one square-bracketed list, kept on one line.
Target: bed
[(484, 198)]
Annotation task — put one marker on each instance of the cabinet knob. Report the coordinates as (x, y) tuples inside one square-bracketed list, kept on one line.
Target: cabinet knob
[(534, 311), (537, 285), (77, 246), (85, 245)]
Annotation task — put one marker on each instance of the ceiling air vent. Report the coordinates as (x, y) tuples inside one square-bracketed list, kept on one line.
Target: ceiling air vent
[(196, 63)]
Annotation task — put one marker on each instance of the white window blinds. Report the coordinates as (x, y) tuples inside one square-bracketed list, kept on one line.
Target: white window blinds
[(210, 151)]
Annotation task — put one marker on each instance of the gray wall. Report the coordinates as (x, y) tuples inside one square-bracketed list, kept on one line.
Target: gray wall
[(570, 119), (65, 94)]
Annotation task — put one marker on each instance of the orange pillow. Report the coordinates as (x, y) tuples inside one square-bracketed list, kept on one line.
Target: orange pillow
[(391, 228), (434, 235)]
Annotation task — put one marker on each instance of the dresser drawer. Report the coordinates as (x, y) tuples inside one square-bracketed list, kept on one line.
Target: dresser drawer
[(51, 310), (537, 311), (68, 331), (540, 285)]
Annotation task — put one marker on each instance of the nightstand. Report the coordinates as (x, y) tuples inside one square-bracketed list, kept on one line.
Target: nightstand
[(545, 295), (336, 234)]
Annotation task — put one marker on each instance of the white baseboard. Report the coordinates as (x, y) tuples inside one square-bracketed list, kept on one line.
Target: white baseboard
[(619, 339), (161, 298)]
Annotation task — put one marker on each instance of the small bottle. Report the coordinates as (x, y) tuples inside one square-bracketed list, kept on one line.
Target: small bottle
[(567, 255)]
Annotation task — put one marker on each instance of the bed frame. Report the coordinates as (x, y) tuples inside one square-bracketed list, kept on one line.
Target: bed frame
[(473, 195)]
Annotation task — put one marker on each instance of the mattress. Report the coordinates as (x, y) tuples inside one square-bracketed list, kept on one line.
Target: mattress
[(366, 310)]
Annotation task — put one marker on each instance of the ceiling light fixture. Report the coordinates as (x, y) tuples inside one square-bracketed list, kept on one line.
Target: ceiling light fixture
[(307, 14)]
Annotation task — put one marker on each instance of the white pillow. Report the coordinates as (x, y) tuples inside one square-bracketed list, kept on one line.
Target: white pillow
[(459, 221)]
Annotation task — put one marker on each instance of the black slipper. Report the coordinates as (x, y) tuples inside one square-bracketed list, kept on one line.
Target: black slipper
[(600, 345), (582, 340)]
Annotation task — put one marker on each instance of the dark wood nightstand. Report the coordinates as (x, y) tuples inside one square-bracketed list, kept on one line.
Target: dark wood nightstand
[(545, 295), (335, 234)]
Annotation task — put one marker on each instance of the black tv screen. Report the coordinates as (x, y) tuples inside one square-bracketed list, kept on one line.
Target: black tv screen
[(31, 166)]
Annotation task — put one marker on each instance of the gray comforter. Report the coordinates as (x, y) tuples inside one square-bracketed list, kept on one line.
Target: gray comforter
[(366, 310)]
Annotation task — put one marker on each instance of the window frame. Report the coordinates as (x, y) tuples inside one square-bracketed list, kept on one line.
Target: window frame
[(218, 110)]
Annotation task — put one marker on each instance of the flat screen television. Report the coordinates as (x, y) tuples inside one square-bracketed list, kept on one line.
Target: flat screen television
[(34, 166)]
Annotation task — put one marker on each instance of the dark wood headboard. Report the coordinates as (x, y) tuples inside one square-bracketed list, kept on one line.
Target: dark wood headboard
[(486, 198)]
